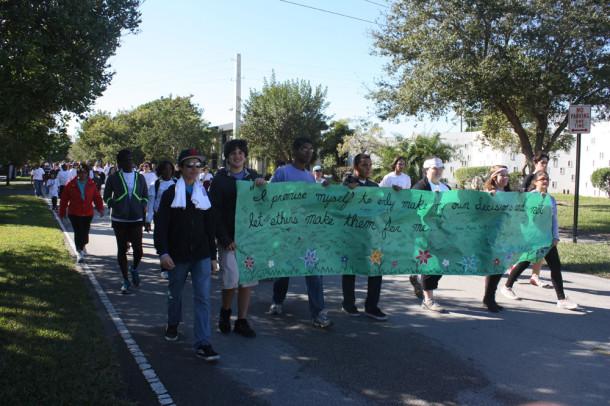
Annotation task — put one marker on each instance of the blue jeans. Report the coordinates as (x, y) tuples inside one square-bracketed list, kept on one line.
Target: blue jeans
[(315, 293), (38, 188), (200, 275)]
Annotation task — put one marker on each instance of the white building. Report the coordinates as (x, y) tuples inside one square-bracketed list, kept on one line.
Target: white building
[(595, 154)]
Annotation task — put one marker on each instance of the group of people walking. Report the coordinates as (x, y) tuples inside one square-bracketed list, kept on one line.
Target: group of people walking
[(194, 229)]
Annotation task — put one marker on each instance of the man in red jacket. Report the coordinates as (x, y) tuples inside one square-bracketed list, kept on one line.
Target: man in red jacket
[(77, 199)]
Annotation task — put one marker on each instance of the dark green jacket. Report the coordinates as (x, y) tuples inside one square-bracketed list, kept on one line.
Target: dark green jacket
[(116, 196)]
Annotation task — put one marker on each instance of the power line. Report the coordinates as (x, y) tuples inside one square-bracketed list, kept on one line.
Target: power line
[(377, 4), (328, 11)]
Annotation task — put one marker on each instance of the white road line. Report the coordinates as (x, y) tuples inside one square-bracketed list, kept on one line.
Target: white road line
[(148, 372)]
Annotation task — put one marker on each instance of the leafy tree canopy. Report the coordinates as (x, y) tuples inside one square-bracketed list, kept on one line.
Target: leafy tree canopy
[(154, 131), (523, 61), (281, 112), (53, 59), (600, 178)]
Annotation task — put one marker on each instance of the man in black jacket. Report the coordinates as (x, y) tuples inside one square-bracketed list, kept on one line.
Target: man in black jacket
[(126, 194), (223, 193), (362, 169), (184, 239)]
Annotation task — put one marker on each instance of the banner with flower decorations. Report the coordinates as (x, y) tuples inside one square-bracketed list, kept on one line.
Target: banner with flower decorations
[(295, 228)]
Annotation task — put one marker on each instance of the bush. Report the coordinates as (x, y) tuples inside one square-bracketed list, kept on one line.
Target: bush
[(515, 180), (464, 177), (600, 178)]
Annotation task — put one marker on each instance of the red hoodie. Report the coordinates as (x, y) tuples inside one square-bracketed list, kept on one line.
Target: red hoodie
[(72, 201)]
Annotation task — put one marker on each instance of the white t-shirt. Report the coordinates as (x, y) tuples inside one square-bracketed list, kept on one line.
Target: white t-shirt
[(53, 184), (129, 181), (150, 177), (391, 179), (63, 177), (440, 187), (38, 174), (72, 174)]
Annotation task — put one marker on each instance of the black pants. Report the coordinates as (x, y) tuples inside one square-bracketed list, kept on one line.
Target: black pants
[(430, 282), (373, 291), (54, 202), (491, 284), (552, 259), (124, 233), (81, 226)]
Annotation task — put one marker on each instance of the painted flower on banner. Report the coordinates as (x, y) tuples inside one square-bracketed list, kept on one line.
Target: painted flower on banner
[(497, 261), (446, 263), (344, 260), (469, 263), (249, 263), (394, 264), (310, 258), (423, 256), (270, 264), (376, 256)]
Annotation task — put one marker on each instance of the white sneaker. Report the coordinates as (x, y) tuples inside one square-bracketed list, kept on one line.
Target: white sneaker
[(322, 320), (567, 304), (275, 309), (432, 305), (79, 257), (509, 293), (83, 254), (165, 275)]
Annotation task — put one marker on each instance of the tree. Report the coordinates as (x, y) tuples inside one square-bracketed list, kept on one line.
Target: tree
[(600, 178), (523, 61), (280, 113), (416, 150), (156, 130), (53, 59), (331, 140)]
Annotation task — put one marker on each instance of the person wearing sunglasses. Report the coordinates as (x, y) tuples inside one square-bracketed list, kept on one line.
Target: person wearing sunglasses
[(126, 194), (77, 201), (185, 241)]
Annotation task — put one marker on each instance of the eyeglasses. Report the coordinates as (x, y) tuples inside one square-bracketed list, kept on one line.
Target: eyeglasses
[(191, 166)]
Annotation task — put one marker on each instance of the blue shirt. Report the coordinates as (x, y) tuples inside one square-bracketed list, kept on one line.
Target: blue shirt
[(81, 187), (289, 173), (189, 189), (240, 175)]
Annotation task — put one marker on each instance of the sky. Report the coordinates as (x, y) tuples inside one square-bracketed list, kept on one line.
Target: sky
[(188, 48)]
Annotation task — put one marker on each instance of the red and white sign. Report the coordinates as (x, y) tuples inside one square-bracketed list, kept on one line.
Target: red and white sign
[(579, 119)]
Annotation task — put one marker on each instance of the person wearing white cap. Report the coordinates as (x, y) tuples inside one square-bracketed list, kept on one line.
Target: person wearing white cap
[(397, 179), (318, 174), (433, 168)]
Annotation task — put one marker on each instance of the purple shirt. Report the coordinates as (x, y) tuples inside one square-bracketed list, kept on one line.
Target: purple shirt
[(288, 173)]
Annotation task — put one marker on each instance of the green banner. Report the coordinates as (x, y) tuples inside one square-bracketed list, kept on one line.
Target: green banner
[(296, 228)]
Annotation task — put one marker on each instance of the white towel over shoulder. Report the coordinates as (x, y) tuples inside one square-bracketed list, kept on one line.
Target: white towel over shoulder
[(199, 197)]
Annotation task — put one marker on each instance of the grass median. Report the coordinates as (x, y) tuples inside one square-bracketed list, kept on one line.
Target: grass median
[(52, 346)]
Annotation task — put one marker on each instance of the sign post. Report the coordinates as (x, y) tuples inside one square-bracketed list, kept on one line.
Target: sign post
[(579, 121)]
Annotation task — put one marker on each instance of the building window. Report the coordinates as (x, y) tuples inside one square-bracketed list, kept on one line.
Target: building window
[(573, 177), (569, 164), (554, 184), (515, 169), (512, 156), (562, 171), (555, 162)]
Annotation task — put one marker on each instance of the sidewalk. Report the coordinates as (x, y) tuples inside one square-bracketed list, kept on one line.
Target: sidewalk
[(531, 351)]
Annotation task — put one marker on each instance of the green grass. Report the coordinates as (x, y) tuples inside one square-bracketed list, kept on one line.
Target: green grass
[(593, 214), (586, 258), (52, 345)]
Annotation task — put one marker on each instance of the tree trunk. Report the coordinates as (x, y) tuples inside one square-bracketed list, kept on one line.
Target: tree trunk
[(513, 119)]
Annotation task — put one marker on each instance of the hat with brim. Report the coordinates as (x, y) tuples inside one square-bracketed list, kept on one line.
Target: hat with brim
[(191, 153), (433, 163), (317, 168)]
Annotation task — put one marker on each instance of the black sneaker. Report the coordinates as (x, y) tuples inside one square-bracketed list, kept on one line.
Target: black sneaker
[(207, 353), (243, 328), (417, 288), (492, 305), (171, 333), (224, 321), (376, 314), (352, 311)]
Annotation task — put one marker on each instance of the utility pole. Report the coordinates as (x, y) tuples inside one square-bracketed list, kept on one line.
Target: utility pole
[(237, 119)]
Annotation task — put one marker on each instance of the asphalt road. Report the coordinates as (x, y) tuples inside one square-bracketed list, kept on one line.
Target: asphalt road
[(532, 351)]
